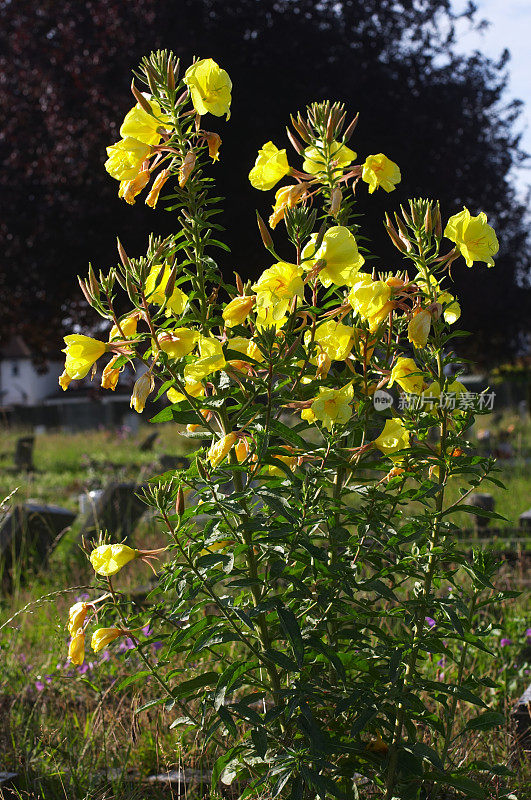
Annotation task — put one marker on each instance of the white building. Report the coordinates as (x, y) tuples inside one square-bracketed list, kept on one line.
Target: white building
[(21, 383)]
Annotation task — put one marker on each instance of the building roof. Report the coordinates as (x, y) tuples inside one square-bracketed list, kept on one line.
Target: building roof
[(15, 347)]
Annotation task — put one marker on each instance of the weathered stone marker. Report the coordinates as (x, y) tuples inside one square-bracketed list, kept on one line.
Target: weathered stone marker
[(524, 520), (521, 718), (27, 534), (168, 462), (147, 445), (117, 510), (484, 501), (23, 457)]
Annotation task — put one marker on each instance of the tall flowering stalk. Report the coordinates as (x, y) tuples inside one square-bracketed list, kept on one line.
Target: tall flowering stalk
[(316, 523)]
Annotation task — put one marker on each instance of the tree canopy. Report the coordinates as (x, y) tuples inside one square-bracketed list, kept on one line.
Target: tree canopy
[(442, 116)]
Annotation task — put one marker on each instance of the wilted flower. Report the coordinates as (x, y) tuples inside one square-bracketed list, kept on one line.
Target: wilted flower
[(76, 648), (418, 328), (220, 449), (158, 183), (76, 617), (104, 636), (141, 391)]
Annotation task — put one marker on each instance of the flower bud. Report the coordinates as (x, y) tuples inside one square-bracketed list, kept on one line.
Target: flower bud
[(335, 201), (141, 390), (179, 502)]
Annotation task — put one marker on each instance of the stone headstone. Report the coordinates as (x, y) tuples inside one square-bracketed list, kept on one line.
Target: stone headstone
[(117, 510), (481, 500), (23, 457), (521, 719), (147, 445), (28, 532), (524, 520), (168, 462)]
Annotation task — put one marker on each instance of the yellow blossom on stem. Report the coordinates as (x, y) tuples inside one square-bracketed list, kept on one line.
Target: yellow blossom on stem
[(220, 449), (210, 87), (247, 348), (194, 389), (473, 237), (110, 375), (76, 617), (270, 167), (158, 183), (335, 339), (380, 171), (237, 311), (141, 391), (76, 648), (337, 259), (108, 559), (128, 326), (368, 297), (286, 197), (408, 376), (333, 406), (155, 294), (144, 127), (314, 160), (418, 328), (394, 437), (126, 158), (82, 352), (242, 448), (308, 415), (276, 288), (104, 636), (178, 342), (452, 309), (211, 359)]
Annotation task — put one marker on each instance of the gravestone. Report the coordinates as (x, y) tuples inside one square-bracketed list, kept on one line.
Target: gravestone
[(147, 445), (484, 501), (27, 534), (117, 510), (524, 520), (23, 457), (168, 462), (521, 719)]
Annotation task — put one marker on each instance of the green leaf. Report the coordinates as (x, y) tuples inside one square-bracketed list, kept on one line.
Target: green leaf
[(192, 685), (484, 721), (132, 679), (259, 737), (290, 626)]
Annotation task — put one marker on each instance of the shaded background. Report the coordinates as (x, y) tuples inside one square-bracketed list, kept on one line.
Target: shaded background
[(64, 83)]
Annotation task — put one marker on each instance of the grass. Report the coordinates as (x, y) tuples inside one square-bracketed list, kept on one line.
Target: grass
[(68, 733)]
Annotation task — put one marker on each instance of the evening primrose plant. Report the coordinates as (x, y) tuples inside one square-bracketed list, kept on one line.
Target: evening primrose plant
[(329, 398)]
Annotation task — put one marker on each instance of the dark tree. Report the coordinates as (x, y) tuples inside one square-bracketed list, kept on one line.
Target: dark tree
[(64, 84)]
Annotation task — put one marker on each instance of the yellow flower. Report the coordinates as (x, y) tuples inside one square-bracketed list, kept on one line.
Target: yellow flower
[(140, 125), (237, 311), (393, 437), (125, 158), (108, 559), (474, 238), (210, 88), (333, 406), (178, 342), (76, 617), (335, 339), (452, 310), (141, 391), (338, 256), (104, 636), (128, 326), (195, 389), (76, 648), (110, 375), (242, 448), (380, 171), (211, 359), (418, 328), (158, 183), (245, 346), (130, 189), (81, 353), (276, 288), (178, 299), (273, 471), (314, 160), (368, 297), (408, 376), (286, 197), (451, 392), (271, 165), (220, 449), (265, 319), (308, 415)]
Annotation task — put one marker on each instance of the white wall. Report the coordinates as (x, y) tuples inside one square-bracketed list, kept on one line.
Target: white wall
[(21, 384)]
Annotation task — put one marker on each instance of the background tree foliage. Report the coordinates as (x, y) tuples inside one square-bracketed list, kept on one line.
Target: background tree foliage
[(441, 116)]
